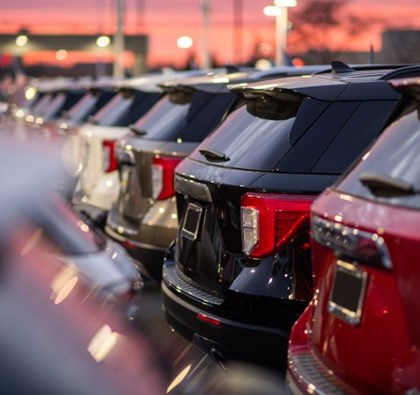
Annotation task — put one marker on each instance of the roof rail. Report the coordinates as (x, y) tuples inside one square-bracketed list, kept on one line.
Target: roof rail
[(403, 72)]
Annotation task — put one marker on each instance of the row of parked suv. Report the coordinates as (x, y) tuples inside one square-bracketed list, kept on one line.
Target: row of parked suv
[(212, 183)]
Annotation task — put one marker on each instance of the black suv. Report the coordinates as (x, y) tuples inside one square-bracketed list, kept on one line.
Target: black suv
[(239, 274)]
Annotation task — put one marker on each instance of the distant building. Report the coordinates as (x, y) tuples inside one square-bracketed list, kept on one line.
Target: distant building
[(398, 46)]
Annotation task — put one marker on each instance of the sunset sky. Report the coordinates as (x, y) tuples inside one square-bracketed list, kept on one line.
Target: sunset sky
[(165, 20)]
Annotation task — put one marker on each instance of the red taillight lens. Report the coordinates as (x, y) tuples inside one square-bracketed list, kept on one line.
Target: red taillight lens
[(110, 162), (269, 221), (208, 319), (163, 168)]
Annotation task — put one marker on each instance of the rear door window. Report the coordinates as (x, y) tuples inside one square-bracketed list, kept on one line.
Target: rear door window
[(395, 156)]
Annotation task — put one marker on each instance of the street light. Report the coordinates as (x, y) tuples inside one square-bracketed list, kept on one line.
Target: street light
[(22, 38), (184, 42), (279, 11), (103, 41)]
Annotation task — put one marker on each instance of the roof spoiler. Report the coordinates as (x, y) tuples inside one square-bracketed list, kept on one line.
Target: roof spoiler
[(408, 86)]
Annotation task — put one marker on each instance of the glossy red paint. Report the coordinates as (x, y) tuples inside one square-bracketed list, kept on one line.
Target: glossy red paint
[(280, 218), (381, 354), (165, 167)]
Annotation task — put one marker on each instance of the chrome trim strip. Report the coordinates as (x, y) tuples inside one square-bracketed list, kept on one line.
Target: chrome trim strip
[(192, 188), (351, 241)]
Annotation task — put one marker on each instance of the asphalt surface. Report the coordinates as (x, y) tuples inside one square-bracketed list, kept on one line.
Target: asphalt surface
[(206, 377)]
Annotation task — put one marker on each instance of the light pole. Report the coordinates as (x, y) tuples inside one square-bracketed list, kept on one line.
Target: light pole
[(205, 9), (279, 11), (119, 40)]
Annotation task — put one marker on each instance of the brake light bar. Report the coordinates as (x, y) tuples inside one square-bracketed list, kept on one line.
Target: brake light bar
[(110, 162), (163, 169), (270, 221), (208, 319)]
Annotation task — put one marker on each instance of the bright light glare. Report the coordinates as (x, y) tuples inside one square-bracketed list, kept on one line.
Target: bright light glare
[(184, 42), (103, 41), (61, 54), (102, 343), (271, 10), (285, 3), (30, 93), (22, 40)]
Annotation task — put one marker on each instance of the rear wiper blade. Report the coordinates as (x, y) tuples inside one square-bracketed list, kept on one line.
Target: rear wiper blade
[(136, 130), (211, 154), (385, 186)]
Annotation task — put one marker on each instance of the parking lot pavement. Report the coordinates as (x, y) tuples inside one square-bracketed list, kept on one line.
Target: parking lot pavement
[(176, 351), (151, 321)]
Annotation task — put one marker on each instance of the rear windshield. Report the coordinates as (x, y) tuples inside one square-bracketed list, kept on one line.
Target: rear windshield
[(40, 105), (394, 156), (125, 108), (61, 101), (190, 119), (89, 104), (306, 137)]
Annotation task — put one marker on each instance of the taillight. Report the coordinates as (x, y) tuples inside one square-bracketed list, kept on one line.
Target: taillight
[(110, 162), (269, 221), (163, 168)]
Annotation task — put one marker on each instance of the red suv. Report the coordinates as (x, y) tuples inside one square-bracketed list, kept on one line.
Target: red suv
[(361, 332)]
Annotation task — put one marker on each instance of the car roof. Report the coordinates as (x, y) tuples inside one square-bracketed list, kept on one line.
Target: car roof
[(218, 82), (325, 86)]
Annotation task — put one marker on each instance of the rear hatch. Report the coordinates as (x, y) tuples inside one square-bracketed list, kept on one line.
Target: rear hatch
[(97, 139), (293, 136), (170, 131), (373, 325)]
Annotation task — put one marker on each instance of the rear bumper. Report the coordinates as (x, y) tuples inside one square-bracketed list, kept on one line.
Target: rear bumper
[(246, 341), (148, 258), (93, 213), (102, 194), (306, 373)]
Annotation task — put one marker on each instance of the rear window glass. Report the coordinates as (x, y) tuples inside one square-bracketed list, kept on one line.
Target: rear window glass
[(189, 120), (394, 156), (88, 104), (41, 104), (61, 101), (125, 108), (310, 137)]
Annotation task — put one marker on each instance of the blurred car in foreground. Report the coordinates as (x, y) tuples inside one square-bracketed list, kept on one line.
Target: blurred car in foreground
[(361, 333), (240, 273), (60, 335)]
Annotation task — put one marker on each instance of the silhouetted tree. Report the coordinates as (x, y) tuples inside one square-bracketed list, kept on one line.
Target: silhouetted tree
[(325, 27)]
